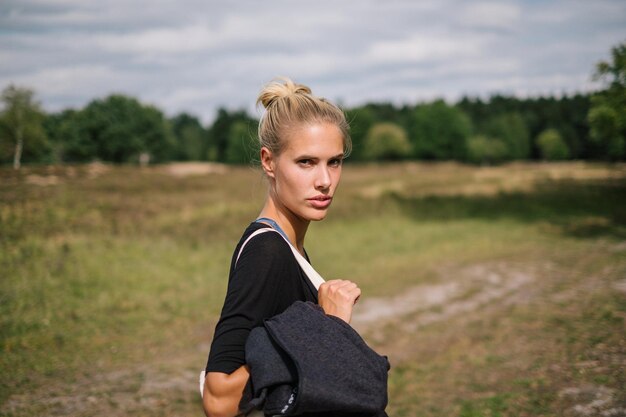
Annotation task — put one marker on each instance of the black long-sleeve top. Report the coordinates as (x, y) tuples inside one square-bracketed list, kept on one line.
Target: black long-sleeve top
[(261, 284)]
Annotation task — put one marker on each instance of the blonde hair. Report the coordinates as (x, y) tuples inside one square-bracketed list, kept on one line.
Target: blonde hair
[(288, 106)]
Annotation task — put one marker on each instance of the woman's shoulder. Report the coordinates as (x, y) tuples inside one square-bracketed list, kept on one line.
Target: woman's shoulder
[(271, 235), (270, 243), (264, 256), (253, 227)]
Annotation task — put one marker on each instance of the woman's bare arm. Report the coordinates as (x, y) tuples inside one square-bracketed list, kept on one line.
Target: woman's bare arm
[(223, 392)]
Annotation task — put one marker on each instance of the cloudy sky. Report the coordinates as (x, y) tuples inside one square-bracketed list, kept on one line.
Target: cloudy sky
[(198, 55)]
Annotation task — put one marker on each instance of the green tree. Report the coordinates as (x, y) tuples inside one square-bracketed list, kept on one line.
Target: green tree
[(511, 129), (21, 125), (568, 115), (387, 141), (439, 131), (63, 131), (220, 130), (552, 146), (361, 120), (160, 143), (121, 129), (190, 137), (484, 150), (241, 143), (607, 116)]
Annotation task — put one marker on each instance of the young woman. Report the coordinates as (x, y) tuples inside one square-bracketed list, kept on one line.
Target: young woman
[(304, 140)]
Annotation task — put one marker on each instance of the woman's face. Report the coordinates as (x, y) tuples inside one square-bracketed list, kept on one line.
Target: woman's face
[(306, 173)]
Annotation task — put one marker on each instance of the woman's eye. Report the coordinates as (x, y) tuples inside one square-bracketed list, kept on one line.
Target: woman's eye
[(335, 162), (305, 162)]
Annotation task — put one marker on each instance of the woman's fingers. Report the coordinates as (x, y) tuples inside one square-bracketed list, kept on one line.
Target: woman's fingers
[(345, 289), (337, 297)]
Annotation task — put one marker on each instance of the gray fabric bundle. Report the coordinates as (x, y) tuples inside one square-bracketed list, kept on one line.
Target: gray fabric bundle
[(303, 361)]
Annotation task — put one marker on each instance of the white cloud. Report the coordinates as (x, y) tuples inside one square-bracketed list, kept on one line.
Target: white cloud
[(501, 15), (424, 48), (571, 11), (161, 40), (64, 80)]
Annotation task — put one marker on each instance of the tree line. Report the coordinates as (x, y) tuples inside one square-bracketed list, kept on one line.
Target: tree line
[(121, 129)]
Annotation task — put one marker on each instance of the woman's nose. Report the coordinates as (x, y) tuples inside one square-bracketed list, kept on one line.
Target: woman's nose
[(323, 180)]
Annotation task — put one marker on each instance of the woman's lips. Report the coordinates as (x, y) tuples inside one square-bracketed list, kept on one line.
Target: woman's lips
[(320, 202)]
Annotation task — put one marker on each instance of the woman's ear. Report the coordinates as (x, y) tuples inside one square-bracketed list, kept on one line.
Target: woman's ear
[(267, 161)]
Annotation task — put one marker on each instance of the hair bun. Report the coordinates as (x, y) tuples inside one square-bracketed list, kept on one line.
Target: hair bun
[(279, 88)]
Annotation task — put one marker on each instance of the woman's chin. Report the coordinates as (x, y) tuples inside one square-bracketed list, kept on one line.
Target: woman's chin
[(318, 215)]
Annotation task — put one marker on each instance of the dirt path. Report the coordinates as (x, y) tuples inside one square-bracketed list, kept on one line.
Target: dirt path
[(474, 287)]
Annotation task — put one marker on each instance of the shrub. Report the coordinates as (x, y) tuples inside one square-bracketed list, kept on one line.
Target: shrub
[(386, 141), (484, 150), (552, 146)]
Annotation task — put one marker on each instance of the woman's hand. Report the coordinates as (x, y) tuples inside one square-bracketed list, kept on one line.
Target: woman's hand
[(337, 298)]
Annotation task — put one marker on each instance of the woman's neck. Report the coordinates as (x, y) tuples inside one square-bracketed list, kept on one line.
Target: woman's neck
[(294, 227)]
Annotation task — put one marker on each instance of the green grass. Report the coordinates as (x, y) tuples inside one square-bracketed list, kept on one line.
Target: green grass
[(125, 271)]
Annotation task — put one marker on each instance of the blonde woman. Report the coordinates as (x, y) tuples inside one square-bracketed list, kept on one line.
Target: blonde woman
[(304, 140)]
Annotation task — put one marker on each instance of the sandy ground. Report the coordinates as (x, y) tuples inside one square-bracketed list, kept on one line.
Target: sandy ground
[(186, 169)]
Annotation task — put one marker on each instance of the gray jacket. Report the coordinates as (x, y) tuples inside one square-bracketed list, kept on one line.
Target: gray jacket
[(303, 361)]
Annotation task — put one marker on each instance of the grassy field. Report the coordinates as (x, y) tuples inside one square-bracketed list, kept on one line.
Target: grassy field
[(495, 291)]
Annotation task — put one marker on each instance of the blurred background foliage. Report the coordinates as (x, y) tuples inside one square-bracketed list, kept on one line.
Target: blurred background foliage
[(121, 129)]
